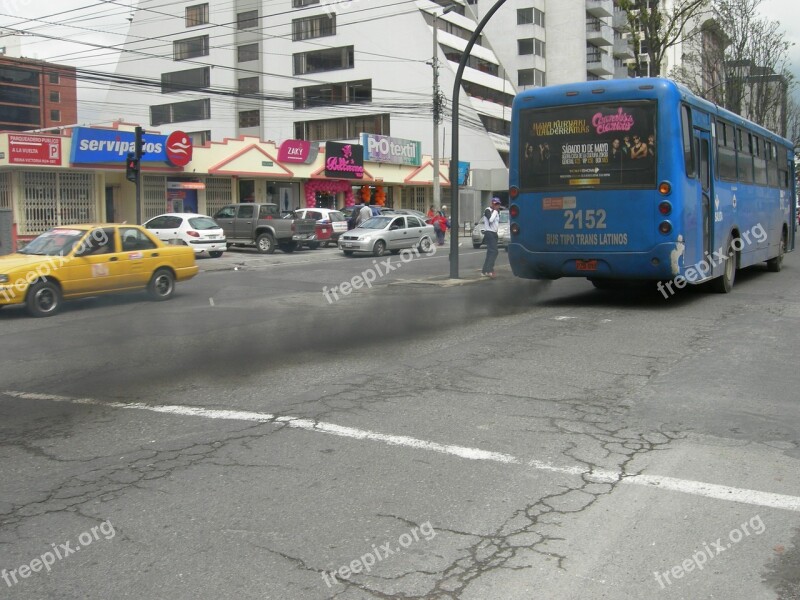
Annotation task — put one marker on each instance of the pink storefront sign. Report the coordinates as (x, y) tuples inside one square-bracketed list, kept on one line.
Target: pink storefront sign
[(297, 151)]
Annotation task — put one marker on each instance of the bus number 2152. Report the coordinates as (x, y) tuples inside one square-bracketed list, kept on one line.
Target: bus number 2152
[(585, 219)]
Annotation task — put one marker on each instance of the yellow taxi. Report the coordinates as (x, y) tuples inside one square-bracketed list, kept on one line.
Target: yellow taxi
[(75, 261)]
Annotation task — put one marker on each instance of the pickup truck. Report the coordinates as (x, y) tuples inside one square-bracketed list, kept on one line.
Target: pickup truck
[(261, 225)]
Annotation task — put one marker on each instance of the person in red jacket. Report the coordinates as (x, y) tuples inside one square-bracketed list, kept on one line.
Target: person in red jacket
[(439, 223)]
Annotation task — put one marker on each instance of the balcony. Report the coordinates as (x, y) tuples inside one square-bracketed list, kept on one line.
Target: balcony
[(620, 20), (621, 72), (600, 8), (600, 63), (599, 34), (623, 49)]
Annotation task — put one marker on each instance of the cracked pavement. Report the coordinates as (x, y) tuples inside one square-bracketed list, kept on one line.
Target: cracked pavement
[(580, 389)]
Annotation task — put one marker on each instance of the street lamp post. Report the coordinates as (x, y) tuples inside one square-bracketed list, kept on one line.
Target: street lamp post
[(438, 104), (454, 135)]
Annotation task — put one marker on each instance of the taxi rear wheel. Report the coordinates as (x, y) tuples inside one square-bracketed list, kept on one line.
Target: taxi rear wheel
[(162, 285), (44, 299)]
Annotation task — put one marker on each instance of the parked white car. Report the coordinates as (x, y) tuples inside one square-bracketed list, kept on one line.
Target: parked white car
[(199, 232), (326, 215)]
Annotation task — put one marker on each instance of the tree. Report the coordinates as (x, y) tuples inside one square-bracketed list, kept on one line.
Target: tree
[(748, 72), (654, 29)]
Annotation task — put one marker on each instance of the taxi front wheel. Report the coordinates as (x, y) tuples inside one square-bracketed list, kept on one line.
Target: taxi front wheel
[(162, 285), (44, 299)]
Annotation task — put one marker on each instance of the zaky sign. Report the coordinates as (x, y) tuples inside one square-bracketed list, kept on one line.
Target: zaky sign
[(298, 151)]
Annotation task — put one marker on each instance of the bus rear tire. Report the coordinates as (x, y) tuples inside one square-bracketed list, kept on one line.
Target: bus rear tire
[(776, 264), (724, 283)]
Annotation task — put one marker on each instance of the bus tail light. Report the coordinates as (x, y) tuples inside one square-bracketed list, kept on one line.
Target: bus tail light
[(665, 227), (515, 229), (513, 191), (665, 208), (514, 211), (664, 188)]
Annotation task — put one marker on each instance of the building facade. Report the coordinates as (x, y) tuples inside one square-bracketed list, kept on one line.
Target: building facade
[(315, 70), (549, 42), (36, 95)]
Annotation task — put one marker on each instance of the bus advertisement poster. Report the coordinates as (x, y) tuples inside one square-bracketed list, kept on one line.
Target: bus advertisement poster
[(598, 145)]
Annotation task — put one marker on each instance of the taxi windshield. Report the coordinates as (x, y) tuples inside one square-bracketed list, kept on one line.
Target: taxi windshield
[(55, 242)]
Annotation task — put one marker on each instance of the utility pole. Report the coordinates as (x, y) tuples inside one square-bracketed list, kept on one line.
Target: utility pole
[(438, 105), (137, 154)]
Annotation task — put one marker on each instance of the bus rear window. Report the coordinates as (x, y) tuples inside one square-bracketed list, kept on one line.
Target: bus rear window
[(598, 145)]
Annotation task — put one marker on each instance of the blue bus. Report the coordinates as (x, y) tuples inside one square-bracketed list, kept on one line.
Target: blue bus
[(640, 179)]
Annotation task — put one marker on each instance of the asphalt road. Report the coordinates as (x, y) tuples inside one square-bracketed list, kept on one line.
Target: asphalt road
[(254, 438)]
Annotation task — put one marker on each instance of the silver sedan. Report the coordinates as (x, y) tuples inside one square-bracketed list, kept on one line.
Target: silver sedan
[(388, 232)]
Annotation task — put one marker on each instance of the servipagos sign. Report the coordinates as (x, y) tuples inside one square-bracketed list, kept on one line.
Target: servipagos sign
[(381, 148), (91, 146)]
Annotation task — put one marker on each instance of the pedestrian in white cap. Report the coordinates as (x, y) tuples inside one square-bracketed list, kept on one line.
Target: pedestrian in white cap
[(491, 223)]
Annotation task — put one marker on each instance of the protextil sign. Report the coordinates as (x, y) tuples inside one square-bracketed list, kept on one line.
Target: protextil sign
[(381, 148), (111, 146)]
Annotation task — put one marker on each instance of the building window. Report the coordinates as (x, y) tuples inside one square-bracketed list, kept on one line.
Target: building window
[(495, 125), (19, 95), (343, 128), (249, 118), (17, 76), (313, 27), (247, 20), (323, 60), (247, 52), (531, 77), (248, 85), (353, 92), (199, 138), (190, 48), (482, 92), (178, 112), (55, 115), (191, 79), (302, 3), (54, 78), (524, 16), (530, 46), (538, 17), (55, 96), (197, 15)]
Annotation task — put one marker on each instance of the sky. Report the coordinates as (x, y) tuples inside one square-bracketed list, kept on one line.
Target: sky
[(61, 25)]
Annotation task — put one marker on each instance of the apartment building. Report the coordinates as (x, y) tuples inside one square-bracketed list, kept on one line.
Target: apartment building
[(548, 42), (36, 95), (311, 69)]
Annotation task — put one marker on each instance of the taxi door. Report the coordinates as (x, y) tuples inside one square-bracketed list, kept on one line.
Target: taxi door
[(139, 257), (95, 265)]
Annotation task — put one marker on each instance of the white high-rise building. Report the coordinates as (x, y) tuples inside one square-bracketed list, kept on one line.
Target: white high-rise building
[(548, 42), (331, 69), (311, 69)]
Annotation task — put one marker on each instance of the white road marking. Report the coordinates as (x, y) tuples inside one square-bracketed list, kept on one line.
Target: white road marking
[(696, 488)]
